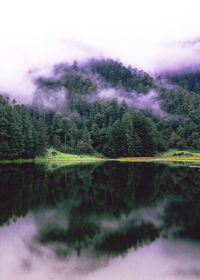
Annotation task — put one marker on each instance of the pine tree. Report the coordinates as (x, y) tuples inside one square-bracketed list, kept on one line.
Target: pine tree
[(28, 134), (56, 130), (127, 125), (4, 128), (16, 133), (116, 140), (66, 127), (41, 136)]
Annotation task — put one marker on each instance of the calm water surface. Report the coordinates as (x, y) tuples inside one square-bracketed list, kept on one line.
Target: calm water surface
[(99, 221)]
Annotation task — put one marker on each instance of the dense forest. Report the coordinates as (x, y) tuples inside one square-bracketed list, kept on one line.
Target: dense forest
[(188, 80), (75, 111)]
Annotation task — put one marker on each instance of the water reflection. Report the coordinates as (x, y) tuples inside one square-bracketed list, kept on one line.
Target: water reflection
[(185, 215), (101, 210)]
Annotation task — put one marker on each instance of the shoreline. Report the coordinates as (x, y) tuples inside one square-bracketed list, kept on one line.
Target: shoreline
[(53, 156), (93, 159)]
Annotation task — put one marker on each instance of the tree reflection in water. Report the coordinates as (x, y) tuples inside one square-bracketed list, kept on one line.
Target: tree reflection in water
[(85, 198)]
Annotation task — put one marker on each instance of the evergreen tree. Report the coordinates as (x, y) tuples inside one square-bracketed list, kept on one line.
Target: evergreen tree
[(56, 130), (41, 136), (28, 134), (66, 125), (127, 125), (116, 140)]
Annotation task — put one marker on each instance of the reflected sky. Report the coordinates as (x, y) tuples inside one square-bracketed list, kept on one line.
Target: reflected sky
[(28, 259), (117, 221)]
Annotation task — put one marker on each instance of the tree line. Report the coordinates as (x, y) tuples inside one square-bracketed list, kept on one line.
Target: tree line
[(88, 125), (109, 128)]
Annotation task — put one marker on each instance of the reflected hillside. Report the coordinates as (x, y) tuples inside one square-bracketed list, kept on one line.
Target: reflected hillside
[(106, 208), (100, 188)]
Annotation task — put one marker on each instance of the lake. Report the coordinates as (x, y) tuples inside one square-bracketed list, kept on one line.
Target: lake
[(99, 221)]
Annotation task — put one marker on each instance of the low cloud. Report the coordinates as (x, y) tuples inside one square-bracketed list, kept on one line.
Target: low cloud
[(151, 36), (141, 101)]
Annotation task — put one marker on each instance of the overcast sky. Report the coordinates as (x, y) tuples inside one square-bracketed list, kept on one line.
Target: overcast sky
[(148, 34)]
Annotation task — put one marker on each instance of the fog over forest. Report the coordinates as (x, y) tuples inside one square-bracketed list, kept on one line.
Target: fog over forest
[(92, 83)]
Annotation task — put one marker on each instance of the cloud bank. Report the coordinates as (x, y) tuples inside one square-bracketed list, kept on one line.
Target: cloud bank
[(149, 35)]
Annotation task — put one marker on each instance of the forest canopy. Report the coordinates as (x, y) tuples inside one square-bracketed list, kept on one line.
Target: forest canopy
[(69, 113)]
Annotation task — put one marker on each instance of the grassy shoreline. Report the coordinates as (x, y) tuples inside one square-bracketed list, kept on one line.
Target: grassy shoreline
[(160, 159), (60, 158), (53, 155), (170, 155)]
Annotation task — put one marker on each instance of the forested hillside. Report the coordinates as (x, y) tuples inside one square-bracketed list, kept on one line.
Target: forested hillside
[(102, 106), (188, 80)]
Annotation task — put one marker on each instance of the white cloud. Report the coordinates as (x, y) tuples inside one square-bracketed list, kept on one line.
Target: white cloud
[(36, 34)]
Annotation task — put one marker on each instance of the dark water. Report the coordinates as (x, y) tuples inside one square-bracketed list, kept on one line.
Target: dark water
[(100, 221)]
